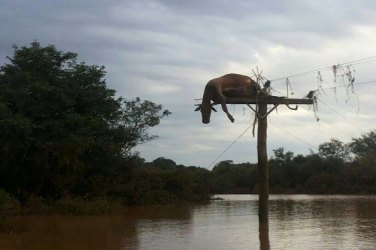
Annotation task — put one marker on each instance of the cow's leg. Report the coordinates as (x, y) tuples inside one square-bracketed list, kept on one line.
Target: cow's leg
[(222, 100), (224, 107)]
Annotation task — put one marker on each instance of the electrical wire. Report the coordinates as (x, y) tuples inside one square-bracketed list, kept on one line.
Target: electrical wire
[(241, 135), (355, 62), (357, 83), (229, 146), (336, 129), (343, 117), (297, 137)]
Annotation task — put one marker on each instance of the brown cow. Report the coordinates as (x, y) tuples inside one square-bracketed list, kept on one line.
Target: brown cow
[(230, 85)]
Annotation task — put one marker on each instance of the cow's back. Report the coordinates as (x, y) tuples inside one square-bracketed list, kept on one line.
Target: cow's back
[(235, 81), (231, 85)]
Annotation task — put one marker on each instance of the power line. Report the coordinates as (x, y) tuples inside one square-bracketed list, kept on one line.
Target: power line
[(229, 146), (357, 83), (241, 135), (297, 137), (355, 62), (351, 122), (336, 129)]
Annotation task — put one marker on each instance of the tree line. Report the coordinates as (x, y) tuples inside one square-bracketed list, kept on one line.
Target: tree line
[(337, 168), (64, 134)]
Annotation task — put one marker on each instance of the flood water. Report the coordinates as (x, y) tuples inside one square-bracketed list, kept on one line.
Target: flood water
[(296, 222)]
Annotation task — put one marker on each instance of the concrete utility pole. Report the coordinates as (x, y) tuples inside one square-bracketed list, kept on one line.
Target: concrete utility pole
[(262, 113)]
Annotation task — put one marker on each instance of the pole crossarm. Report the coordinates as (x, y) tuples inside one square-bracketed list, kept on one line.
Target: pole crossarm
[(269, 100)]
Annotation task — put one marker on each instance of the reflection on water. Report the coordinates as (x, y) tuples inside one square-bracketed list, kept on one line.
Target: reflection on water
[(296, 222), (324, 222)]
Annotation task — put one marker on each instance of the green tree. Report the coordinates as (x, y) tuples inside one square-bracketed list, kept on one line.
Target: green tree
[(364, 165), (228, 177), (282, 157), (365, 145), (282, 170), (334, 149), (61, 129), (163, 163)]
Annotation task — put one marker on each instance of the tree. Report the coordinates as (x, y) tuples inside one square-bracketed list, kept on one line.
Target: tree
[(366, 145), (163, 163), (364, 149), (61, 129), (282, 158), (135, 119), (334, 149)]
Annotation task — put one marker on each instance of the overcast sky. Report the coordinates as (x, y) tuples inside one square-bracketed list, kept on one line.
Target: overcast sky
[(167, 50)]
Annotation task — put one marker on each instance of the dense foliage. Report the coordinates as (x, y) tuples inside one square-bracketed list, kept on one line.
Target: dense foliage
[(62, 131), (337, 168), (64, 135)]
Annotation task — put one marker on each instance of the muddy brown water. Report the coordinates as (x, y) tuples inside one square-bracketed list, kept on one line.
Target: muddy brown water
[(296, 222)]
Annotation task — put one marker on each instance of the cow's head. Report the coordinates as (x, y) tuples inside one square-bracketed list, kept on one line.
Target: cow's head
[(205, 108)]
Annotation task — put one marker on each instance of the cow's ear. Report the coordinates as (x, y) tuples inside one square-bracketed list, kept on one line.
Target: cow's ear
[(213, 109), (198, 108)]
